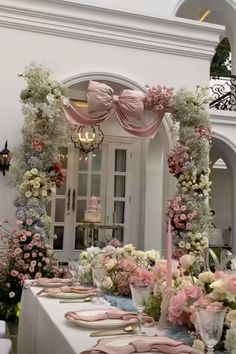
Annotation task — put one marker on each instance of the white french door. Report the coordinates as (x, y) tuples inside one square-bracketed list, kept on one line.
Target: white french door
[(105, 173)]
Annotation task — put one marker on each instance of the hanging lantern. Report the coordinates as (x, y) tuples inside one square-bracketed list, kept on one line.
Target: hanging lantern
[(87, 137), (5, 158)]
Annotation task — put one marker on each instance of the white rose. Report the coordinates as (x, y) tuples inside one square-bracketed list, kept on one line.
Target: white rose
[(111, 264), (153, 254), (138, 254), (206, 277), (129, 247), (27, 174), (28, 194), (94, 250), (107, 283), (36, 185), (34, 171), (44, 193)]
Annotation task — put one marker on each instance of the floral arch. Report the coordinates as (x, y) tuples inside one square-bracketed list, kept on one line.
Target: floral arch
[(37, 170)]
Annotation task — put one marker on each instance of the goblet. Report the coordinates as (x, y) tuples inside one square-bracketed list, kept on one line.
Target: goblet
[(73, 269), (210, 322), (140, 296), (99, 273)]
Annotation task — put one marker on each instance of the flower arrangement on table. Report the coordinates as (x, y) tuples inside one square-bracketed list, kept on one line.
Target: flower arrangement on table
[(122, 263)]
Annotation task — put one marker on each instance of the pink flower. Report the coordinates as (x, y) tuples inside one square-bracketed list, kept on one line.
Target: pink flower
[(33, 263), (11, 294), (23, 238), (186, 261), (183, 217), (231, 284), (29, 221), (177, 303), (14, 273), (38, 275), (193, 292), (19, 222)]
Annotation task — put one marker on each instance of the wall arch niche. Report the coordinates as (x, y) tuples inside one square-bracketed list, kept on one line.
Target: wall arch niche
[(148, 184), (223, 177)]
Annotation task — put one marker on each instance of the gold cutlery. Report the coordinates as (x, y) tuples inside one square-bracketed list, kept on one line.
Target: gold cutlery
[(126, 330)]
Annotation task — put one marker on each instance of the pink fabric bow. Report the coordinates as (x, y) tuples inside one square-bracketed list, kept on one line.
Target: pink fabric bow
[(107, 314), (102, 105), (141, 345)]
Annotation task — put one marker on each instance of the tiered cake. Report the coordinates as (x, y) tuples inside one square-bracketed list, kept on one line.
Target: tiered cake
[(93, 213)]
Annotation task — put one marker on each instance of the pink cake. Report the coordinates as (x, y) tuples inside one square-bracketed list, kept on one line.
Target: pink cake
[(93, 212)]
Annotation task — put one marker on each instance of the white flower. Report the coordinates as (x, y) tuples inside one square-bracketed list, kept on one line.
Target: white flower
[(111, 264), (94, 250), (153, 254), (34, 171), (129, 247), (181, 244), (50, 98), (36, 185), (206, 277), (28, 194), (27, 174), (107, 283), (44, 193)]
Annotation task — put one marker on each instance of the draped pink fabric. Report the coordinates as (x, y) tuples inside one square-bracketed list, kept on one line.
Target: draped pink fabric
[(102, 104), (141, 345)]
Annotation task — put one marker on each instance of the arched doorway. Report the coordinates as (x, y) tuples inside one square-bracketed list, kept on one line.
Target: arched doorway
[(120, 186)]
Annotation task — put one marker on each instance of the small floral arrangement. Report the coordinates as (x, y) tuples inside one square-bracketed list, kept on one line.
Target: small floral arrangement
[(37, 184), (159, 99), (123, 265)]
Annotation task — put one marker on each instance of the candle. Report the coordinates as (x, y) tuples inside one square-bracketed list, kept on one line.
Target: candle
[(169, 256)]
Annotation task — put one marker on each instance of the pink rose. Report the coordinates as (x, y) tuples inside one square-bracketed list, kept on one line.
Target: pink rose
[(186, 261), (231, 284), (14, 273), (29, 221), (19, 222), (176, 305), (193, 292), (183, 217)]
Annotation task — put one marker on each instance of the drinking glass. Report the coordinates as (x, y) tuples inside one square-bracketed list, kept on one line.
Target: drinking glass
[(210, 322), (140, 296), (73, 269), (99, 273)]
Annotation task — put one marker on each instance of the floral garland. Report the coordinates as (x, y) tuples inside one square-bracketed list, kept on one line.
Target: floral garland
[(188, 161), (36, 172)]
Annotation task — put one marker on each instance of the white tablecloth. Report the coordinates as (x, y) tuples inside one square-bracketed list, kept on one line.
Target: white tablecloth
[(44, 330)]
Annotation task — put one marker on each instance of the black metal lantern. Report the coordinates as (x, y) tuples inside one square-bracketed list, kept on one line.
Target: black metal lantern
[(5, 158), (87, 137)]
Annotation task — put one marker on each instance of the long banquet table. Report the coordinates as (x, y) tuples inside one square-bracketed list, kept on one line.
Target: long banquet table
[(44, 330)]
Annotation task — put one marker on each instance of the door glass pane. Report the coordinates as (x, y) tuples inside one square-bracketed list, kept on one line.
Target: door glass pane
[(95, 185), (58, 243), (119, 210), (81, 206), (83, 161), (82, 184), (119, 234), (79, 238), (120, 160), (60, 210), (62, 190), (96, 160), (119, 186), (63, 156)]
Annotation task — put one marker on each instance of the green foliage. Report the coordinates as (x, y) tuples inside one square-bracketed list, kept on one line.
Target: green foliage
[(221, 63), (153, 308)]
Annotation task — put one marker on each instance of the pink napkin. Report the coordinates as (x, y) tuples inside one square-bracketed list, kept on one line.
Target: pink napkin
[(48, 281), (141, 344), (107, 314), (71, 289)]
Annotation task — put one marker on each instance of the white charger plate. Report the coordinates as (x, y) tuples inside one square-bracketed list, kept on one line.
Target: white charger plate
[(102, 324), (69, 295)]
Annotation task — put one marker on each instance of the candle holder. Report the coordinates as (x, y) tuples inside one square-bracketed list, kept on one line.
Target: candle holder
[(163, 323)]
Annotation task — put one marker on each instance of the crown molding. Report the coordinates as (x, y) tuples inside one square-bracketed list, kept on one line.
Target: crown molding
[(222, 117), (90, 23)]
